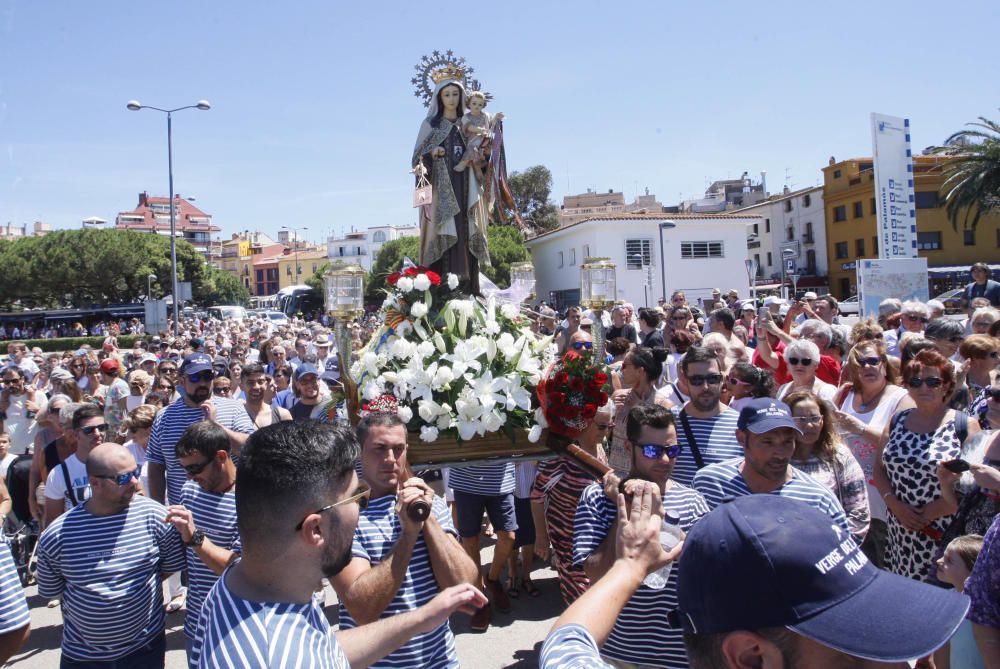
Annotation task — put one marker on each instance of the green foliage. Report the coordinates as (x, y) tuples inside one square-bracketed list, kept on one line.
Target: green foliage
[(220, 287), (95, 267), (506, 244), (73, 343), (972, 174), (389, 260), (531, 189)]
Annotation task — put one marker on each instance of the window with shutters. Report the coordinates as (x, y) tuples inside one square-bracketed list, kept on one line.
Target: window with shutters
[(697, 250), (638, 253)]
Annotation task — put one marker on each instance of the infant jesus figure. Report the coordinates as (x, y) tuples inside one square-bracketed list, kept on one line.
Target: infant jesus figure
[(477, 126)]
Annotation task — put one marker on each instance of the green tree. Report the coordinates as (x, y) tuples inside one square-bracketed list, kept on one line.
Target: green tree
[(531, 190), (506, 244), (972, 174), (220, 287), (389, 260)]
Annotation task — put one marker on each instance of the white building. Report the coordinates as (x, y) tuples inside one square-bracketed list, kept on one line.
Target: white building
[(793, 220), (362, 247), (655, 255)]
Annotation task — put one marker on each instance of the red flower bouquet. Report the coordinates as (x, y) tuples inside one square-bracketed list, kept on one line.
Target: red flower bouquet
[(573, 389)]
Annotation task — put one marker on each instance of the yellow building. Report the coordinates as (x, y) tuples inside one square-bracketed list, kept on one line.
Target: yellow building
[(310, 259), (852, 231)]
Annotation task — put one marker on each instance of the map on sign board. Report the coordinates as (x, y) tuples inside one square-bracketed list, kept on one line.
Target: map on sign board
[(901, 278)]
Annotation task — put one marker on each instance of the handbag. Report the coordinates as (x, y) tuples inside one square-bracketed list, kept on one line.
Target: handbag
[(424, 193)]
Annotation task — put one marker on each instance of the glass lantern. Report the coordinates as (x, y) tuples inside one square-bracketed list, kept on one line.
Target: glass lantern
[(598, 284), (345, 292), (522, 276)]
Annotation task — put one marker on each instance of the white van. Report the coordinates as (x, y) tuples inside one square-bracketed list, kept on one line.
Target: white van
[(224, 312)]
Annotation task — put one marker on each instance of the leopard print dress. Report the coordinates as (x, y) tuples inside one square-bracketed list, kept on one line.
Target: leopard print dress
[(911, 461)]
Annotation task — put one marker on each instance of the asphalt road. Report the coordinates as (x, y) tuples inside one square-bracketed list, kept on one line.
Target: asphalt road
[(513, 640)]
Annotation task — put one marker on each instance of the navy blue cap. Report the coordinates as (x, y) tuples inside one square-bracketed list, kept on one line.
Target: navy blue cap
[(305, 368), (196, 362), (765, 414), (764, 561)]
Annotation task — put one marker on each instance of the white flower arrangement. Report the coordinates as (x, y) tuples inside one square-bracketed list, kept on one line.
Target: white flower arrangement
[(460, 367)]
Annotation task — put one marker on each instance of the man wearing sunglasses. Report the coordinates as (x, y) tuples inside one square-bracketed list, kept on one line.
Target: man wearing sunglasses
[(400, 563), (915, 315), (166, 475), (67, 485), (652, 436), (297, 505), (767, 432), (112, 615)]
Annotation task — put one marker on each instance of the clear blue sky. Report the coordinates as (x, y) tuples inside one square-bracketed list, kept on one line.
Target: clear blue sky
[(314, 118)]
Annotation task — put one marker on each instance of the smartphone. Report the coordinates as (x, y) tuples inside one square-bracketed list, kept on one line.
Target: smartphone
[(957, 466)]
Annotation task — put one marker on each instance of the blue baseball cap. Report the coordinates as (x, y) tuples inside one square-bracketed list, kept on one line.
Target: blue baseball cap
[(306, 368), (765, 414), (764, 561), (196, 362)]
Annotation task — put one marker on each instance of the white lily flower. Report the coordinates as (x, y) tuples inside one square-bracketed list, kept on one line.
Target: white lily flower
[(469, 413), (517, 395), (402, 349), (418, 309), (370, 362), (425, 348), (535, 433), (421, 282), (442, 377), (509, 311), (428, 433), (492, 327), (405, 284), (452, 281), (405, 413), (428, 410), (493, 421), (506, 345), (488, 390)]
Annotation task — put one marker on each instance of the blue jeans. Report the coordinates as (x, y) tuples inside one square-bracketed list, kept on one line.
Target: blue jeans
[(150, 656)]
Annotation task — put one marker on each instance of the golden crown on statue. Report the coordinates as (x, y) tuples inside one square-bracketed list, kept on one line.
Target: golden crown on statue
[(438, 67), (448, 72)]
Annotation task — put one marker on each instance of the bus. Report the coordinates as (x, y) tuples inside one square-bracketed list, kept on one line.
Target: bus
[(300, 299)]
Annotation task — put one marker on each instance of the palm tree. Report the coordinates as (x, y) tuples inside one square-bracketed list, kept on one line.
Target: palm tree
[(972, 176)]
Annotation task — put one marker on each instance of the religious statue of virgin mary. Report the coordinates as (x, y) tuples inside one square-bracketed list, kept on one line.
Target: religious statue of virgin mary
[(453, 226)]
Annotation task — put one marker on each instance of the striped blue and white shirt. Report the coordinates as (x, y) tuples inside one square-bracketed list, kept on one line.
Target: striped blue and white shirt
[(107, 570), (215, 515), (376, 535), (641, 634), (170, 425), (13, 604), (716, 440), (571, 647), (722, 482), (492, 479), (236, 633)]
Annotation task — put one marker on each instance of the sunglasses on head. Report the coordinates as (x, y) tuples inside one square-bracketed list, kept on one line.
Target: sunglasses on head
[(206, 375), (805, 362), (91, 429), (932, 382), (580, 345), (702, 379), (361, 497), (656, 451), (123, 479), (870, 361)]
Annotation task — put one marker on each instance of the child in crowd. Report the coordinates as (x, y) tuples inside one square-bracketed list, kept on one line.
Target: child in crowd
[(953, 568)]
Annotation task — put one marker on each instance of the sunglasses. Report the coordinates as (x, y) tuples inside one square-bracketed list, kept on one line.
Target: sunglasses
[(871, 361), (917, 317), (702, 379), (201, 377), (808, 420), (220, 391), (91, 429), (195, 469), (168, 370), (656, 451), (733, 381), (361, 498), (932, 382), (580, 345), (805, 362), (123, 479)]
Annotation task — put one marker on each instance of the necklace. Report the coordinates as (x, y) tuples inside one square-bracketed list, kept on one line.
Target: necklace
[(864, 406)]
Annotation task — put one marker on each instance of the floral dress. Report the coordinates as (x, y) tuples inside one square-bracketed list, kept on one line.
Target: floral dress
[(911, 461)]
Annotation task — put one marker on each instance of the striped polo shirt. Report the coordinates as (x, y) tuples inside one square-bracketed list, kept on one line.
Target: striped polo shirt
[(571, 647), (722, 482), (641, 634), (107, 570), (215, 515), (716, 440), (170, 425), (236, 633), (376, 535), (490, 480), (13, 604)]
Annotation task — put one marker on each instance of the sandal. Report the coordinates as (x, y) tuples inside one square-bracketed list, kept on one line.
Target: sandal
[(530, 588), (511, 589), (176, 604)]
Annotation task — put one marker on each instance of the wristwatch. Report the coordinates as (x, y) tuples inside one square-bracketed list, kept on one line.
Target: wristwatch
[(197, 539)]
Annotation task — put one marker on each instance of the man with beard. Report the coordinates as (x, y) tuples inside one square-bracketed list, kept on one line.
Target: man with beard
[(297, 506), (766, 431), (105, 558), (19, 405), (633, 642), (306, 386), (258, 402), (705, 426), (206, 515), (399, 562)]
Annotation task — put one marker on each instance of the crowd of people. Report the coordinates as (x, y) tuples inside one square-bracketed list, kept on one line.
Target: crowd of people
[(835, 489)]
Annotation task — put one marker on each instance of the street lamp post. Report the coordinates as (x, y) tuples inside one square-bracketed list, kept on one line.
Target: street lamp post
[(295, 248), (149, 287), (203, 105), (645, 281)]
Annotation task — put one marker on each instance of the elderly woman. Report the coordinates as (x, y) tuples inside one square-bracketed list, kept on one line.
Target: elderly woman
[(983, 318), (916, 441), (820, 453), (640, 370), (139, 383), (820, 333), (872, 397), (946, 336), (981, 357), (913, 317), (802, 358)]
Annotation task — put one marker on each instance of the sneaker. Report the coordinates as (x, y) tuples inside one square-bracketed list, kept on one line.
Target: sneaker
[(498, 597), (481, 619)]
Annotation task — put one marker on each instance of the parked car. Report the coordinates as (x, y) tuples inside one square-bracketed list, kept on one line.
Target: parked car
[(276, 317), (952, 300), (850, 307)]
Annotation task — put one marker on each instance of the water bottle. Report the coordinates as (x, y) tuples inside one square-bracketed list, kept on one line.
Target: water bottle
[(670, 535)]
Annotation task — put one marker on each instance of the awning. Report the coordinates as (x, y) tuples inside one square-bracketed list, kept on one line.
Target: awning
[(958, 269)]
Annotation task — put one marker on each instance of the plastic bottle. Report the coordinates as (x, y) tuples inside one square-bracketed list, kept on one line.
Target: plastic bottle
[(670, 535)]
